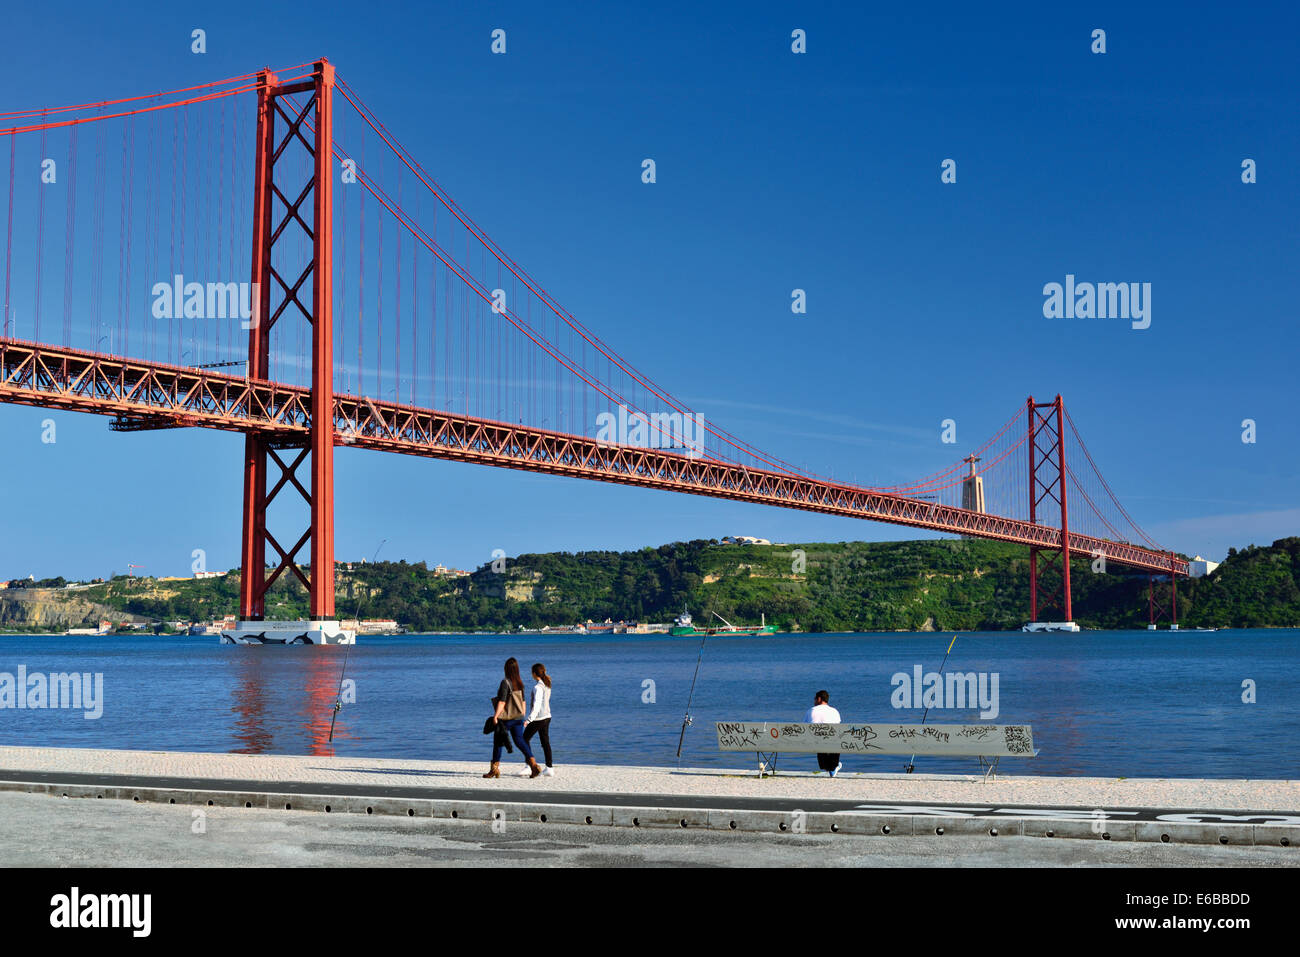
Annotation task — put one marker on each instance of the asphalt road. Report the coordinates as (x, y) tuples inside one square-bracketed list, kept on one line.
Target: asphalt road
[(41, 831)]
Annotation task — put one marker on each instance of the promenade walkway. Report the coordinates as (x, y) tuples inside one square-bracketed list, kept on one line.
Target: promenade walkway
[(1201, 810)]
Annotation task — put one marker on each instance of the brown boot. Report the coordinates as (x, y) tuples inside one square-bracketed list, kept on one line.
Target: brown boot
[(532, 763), (496, 770)]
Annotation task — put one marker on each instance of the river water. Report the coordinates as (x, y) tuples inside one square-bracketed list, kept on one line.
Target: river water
[(1100, 703)]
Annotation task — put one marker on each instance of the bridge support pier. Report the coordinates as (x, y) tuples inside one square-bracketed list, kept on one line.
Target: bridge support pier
[(273, 149), (1045, 441), (1156, 609)]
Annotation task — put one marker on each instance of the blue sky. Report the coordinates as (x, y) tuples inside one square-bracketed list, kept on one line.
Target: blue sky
[(776, 171)]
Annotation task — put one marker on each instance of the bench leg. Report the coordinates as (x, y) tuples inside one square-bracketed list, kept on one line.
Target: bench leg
[(989, 766)]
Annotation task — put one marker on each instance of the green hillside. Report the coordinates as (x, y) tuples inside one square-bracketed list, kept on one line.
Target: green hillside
[(946, 585)]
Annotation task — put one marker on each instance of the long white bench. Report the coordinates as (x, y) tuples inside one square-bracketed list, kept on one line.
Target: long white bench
[(987, 742)]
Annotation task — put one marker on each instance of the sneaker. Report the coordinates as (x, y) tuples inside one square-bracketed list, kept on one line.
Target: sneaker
[(837, 769), (548, 771)]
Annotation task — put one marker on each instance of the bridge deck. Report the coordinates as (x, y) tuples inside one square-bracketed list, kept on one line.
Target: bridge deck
[(55, 377)]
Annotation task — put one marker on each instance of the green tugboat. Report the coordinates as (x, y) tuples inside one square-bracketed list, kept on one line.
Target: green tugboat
[(684, 627)]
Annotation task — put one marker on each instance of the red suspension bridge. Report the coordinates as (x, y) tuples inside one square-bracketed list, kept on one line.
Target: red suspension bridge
[(379, 315)]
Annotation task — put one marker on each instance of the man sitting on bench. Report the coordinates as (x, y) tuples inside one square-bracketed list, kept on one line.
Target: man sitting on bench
[(822, 713)]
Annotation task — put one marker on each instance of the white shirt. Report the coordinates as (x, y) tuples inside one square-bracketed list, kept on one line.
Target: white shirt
[(541, 709), (822, 714)]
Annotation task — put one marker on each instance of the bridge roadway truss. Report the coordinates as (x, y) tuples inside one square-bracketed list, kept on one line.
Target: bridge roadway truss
[(55, 377)]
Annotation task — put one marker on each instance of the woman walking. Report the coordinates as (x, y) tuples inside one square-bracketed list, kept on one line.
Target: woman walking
[(509, 715), (539, 714)]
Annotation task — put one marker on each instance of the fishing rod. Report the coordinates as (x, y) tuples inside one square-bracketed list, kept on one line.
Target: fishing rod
[(908, 769), (687, 721), (338, 695)]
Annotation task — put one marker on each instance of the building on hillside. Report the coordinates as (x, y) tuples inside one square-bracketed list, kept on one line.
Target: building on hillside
[(372, 626), (104, 628), (743, 540), (1199, 567)]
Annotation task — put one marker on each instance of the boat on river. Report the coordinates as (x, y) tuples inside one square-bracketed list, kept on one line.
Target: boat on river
[(685, 627)]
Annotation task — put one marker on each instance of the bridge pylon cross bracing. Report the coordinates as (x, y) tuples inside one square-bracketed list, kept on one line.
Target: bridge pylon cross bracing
[(279, 205), (1047, 489)]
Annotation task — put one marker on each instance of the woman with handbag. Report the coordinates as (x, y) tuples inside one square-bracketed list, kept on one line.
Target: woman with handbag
[(509, 716)]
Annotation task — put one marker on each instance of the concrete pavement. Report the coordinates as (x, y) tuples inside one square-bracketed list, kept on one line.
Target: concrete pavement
[(1236, 814), (41, 831)]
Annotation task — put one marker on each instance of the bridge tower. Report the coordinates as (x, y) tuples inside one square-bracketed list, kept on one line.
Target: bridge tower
[(280, 204), (1155, 606), (1047, 494)]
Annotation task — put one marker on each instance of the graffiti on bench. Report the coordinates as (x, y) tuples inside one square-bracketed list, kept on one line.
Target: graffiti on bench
[(992, 740)]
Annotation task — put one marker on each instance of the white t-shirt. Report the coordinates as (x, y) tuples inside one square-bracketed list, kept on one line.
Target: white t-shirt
[(822, 714), (541, 708)]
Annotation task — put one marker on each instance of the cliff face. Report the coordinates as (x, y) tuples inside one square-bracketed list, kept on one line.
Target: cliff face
[(50, 608)]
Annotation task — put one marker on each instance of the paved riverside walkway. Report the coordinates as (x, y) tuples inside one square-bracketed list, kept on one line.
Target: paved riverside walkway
[(624, 786)]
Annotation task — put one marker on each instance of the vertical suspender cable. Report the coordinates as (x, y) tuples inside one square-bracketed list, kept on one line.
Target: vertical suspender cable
[(181, 264), (361, 285), (379, 303), (397, 312), (69, 238), (171, 247), (121, 246), (343, 280), (40, 235), (97, 243), (415, 333), (9, 231)]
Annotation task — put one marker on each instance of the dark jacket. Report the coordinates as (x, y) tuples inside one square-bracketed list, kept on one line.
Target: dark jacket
[(498, 731)]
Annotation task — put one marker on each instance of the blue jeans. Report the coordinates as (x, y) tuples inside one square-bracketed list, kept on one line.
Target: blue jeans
[(515, 729)]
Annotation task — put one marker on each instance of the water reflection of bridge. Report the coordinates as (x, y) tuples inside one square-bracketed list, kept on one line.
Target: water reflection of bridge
[(283, 699)]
